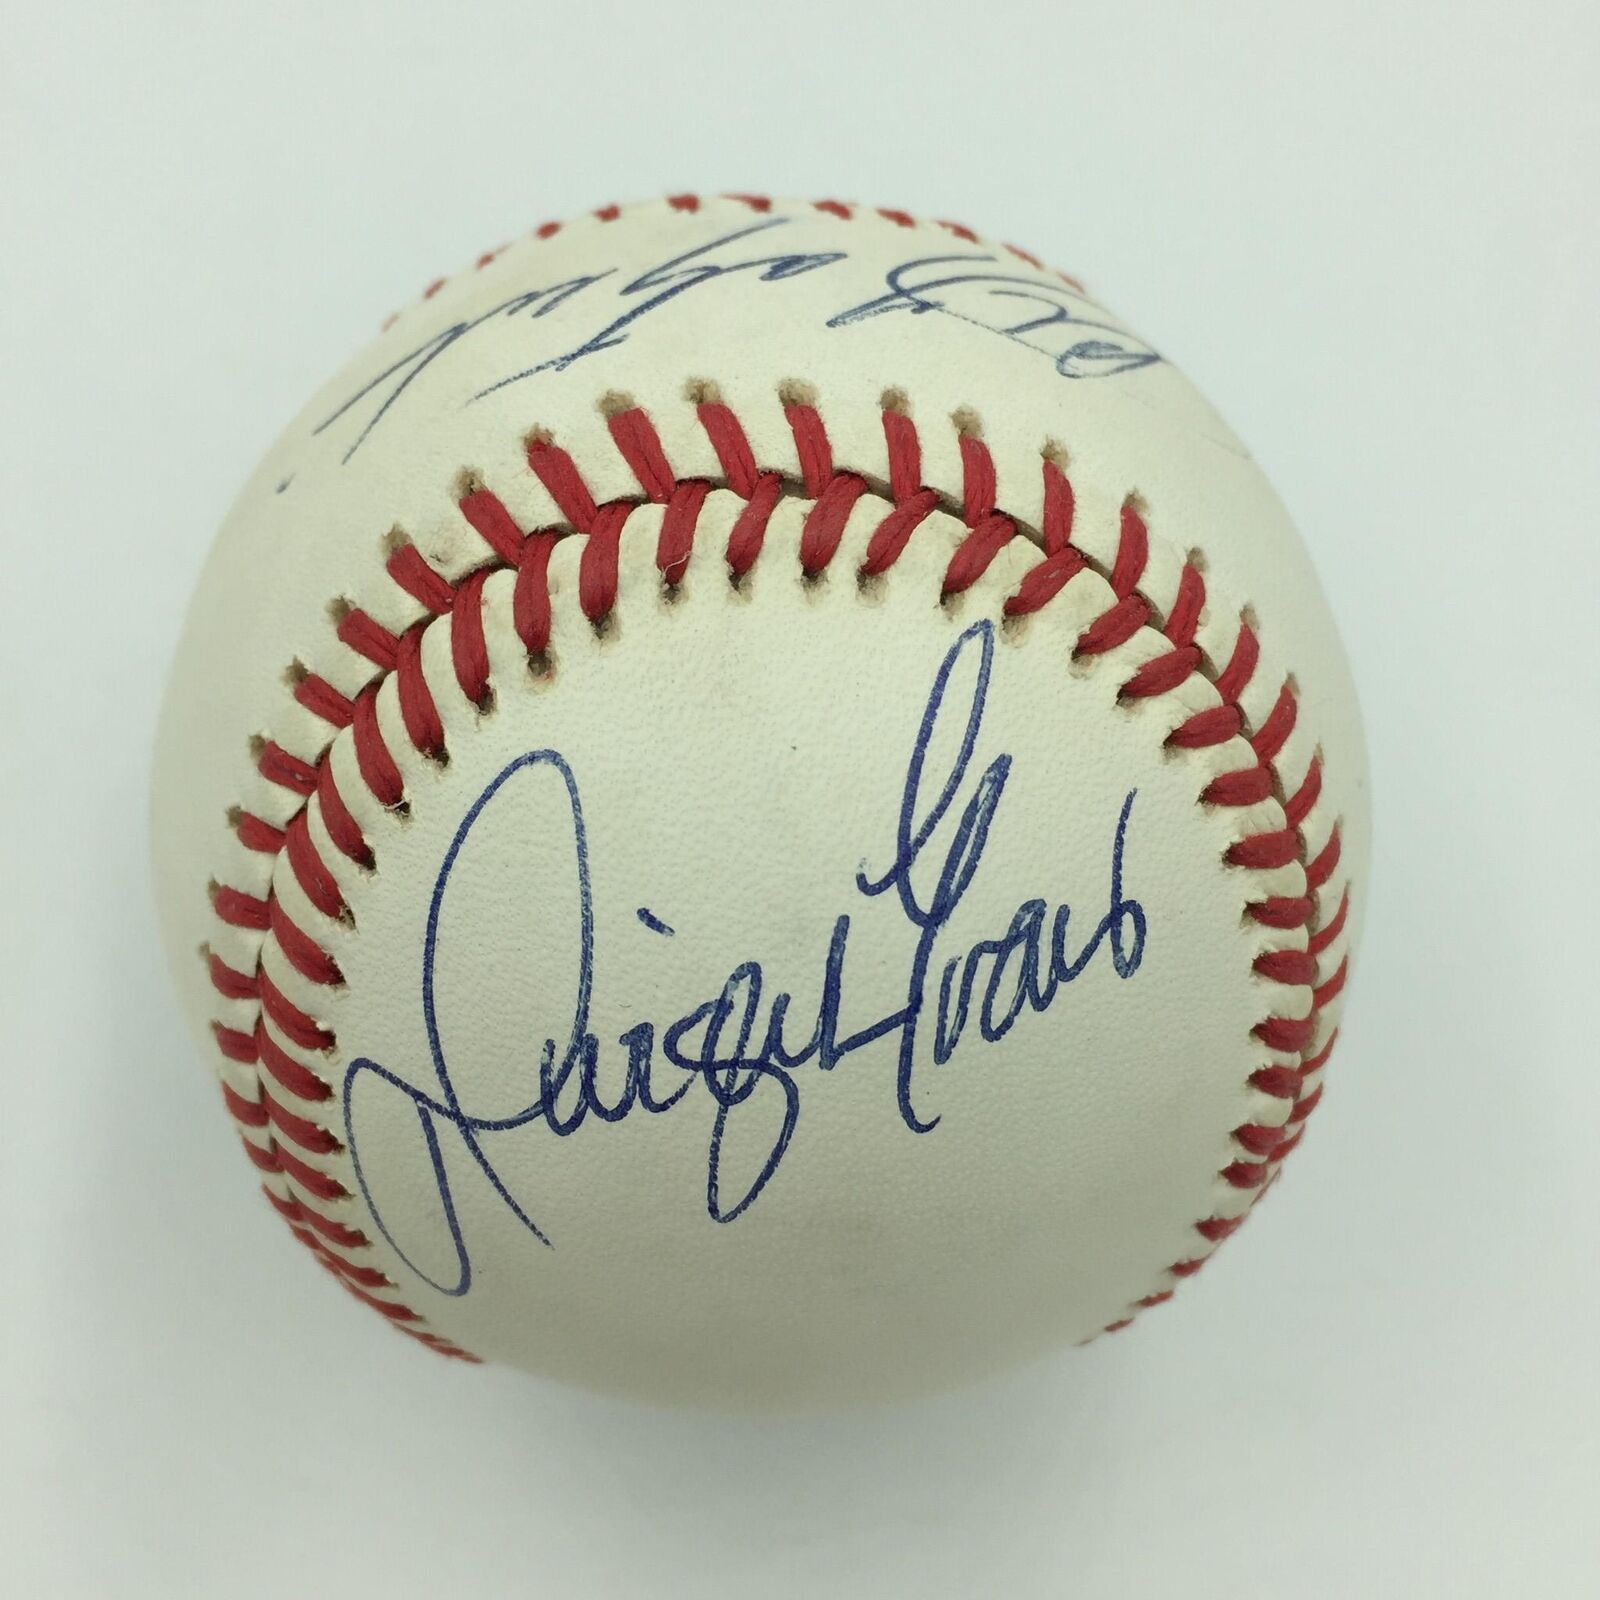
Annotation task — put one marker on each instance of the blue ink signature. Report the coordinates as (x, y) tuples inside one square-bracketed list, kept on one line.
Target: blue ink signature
[(722, 1043), (1053, 318), (645, 294), (974, 287)]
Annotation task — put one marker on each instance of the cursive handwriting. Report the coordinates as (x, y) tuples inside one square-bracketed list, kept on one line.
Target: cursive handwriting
[(974, 287), (640, 297), (1050, 316), (740, 1045)]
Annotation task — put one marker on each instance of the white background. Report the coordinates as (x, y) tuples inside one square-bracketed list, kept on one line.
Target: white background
[(1368, 232)]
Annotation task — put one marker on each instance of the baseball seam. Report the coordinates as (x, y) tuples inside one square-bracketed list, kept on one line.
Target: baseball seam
[(760, 204), (271, 1045)]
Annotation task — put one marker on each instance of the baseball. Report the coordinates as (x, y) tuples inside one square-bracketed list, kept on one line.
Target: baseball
[(759, 806)]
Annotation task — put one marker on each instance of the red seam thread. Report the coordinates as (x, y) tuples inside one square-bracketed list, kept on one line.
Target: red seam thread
[(689, 204)]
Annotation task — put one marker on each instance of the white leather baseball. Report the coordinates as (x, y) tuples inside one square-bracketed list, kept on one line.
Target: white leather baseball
[(770, 810)]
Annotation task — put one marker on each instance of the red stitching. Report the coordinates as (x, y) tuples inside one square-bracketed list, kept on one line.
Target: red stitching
[(978, 479), (240, 910), (1326, 935), (276, 765), (420, 581), (252, 1114), (824, 524), (369, 639), (493, 524), (256, 834), (973, 555), (597, 566), (417, 710), (469, 654), (1282, 911), (834, 495), (744, 543), (293, 1023), (636, 441), (1265, 850), (732, 448), (236, 1046), (555, 470), (1184, 617), (373, 760), (689, 204), (676, 542), (321, 699), (1277, 728), (894, 532), (318, 885), (1247, 787), (300, 1081), (1216, 725), (812, 446), (230, 983), (1241, 666), (1319, 871), (530, 599), (304, 954), (310, 1136)]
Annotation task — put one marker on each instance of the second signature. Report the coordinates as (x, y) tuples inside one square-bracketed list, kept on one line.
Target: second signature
[(1042, 314)]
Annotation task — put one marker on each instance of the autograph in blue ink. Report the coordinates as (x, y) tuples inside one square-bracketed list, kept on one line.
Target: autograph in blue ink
[(977, 288), (1049, 316), (738, 1045)]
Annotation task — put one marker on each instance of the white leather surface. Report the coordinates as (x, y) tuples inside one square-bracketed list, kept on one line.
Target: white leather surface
[(742, 753)]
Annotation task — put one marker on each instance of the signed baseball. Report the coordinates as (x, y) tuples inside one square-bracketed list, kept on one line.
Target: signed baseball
[(759, 805)]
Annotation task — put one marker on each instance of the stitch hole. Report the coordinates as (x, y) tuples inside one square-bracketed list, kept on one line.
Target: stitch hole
[(1056, 453), (606, 627), (485, 703), (1196, 558), (873, 587), (702, 392), (542, 667), (613, 403), (967, 422), (796, 392), (895, 400)]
